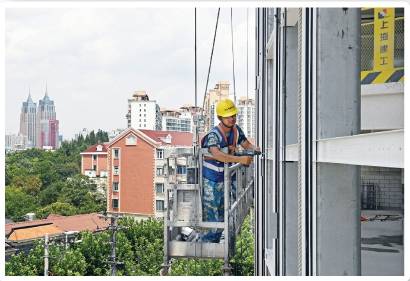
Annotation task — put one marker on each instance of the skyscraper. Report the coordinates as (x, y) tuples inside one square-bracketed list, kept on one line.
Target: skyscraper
[(47, 124), (28, 121)]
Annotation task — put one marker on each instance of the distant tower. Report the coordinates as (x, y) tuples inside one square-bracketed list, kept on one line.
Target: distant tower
[(47, 124), (28, 121)]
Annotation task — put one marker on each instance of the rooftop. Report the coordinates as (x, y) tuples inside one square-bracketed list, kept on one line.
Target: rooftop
[(54, 224), (96, 148), (177, 138)]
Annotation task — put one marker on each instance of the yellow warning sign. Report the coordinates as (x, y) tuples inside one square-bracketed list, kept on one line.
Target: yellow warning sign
[(383, 38)]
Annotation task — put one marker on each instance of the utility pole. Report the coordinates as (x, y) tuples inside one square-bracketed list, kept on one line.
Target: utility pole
[(114, 228), (46, 255)]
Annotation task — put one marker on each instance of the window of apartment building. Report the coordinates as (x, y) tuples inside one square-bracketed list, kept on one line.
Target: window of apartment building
[(160, 205), (145, 125), (115, 203), (115, 186), (116, 170), (94, 157), (140, 115), (181, 170), (159, 187), (145, 104), (160, 171), (131, 140), (145, 110), (94, 167), (116, 153), (160, 154)]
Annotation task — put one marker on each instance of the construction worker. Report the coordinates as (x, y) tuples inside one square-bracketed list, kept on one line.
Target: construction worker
[(222, 142)]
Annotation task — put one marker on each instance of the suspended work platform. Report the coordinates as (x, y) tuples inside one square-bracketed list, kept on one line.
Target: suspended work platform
[(183, 221)]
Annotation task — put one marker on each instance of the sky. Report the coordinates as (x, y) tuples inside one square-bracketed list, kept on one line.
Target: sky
[(93, 59)]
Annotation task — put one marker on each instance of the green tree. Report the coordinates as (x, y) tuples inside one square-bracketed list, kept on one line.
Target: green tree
[(18, 203), (95, 248), (50, 194), (197, 267), (57, 208), (31, 264), (67, 263), (29, 184), (243, 260), (79, 191)]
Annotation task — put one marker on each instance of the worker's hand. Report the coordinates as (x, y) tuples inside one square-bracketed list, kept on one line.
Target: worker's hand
[(245, 160), (257, 148)]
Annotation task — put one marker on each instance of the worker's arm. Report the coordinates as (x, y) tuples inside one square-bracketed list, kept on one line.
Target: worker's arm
[(247, 145), (228, 158)]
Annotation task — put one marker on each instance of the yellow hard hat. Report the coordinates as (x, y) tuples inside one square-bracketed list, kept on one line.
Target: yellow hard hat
[(226, 108)]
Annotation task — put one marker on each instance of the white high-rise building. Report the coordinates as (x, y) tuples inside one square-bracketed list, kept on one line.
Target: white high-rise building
[(176, 120), (16, 142), (246, 116), (143, 113)]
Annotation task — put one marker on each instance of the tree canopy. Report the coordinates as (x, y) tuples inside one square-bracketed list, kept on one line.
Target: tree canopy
[(45, 182)]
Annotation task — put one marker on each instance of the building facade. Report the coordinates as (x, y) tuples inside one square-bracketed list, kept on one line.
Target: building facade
[(168, 142), (196, 116), (47, 126), (143, 113), (246, 116), (94, 165), (136, 169), (131, 167), (28, 117), (221, 91), (176, 120), (16, 142)]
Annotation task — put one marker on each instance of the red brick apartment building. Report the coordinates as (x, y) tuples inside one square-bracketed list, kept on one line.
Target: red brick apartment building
[(134, 165), (94, 165), (94, 161)]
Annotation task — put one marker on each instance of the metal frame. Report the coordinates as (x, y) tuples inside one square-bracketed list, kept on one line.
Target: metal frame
[(181, 213)]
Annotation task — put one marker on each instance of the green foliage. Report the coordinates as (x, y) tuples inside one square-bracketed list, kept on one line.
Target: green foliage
[(27, 265), (58, 208), (243, 261), (197, 267), (35, 179), (146, 238), (139, 246), (95, 248), (29, 184), (18, 203), (67, 263)]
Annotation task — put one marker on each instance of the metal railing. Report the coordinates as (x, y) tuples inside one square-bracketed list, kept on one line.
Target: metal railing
[(184, 200)]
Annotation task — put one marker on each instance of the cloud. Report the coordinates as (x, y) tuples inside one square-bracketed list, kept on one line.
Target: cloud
[(93, 60)]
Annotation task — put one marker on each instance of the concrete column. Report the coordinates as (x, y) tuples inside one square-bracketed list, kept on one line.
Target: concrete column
[(338, 114), (291, 168)]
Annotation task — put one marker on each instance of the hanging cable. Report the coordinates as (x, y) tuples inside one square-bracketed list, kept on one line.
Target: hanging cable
[(247, 59), (210, 63), (233, 62)]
